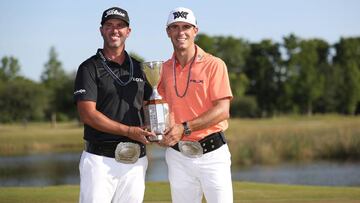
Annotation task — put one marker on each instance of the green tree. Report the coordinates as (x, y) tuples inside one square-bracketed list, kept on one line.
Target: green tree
[(22, 99), (263, 69), (53, 78), (291, 47), (305, 67), (53, 75), (329, 101), (9, 68), (206, 42), (347, 62), (233, 51), (64, 99)]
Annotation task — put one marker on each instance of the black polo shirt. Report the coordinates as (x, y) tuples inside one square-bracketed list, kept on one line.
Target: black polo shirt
[(120, 103)]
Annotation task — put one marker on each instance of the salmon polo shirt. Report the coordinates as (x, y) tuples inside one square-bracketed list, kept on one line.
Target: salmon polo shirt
[(209, 81)]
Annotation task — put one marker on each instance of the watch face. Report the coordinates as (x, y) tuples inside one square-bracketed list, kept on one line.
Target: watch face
[(187, 130)]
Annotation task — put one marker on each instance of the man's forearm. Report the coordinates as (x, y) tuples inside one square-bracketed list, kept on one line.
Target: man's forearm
[(102, 123), (218, 113), (92, 117)]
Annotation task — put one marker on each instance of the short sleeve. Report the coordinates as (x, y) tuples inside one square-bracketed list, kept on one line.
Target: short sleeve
[(219, 82), (85, 88)]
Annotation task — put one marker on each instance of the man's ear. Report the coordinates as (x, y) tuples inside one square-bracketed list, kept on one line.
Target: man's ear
[(196, 30), (100, 29), (167, 32), (129, 31)]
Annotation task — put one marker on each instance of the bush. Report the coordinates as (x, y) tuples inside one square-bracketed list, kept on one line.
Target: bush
[(245, 107)]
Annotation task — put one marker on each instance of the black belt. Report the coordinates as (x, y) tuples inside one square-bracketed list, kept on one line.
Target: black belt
[(209, 143), (108, 148)]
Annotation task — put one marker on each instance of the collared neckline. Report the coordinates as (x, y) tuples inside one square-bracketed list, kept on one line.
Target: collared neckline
[(199, 56), (125, 63)]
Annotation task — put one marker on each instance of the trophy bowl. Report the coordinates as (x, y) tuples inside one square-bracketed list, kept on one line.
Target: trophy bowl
[(156, 110)]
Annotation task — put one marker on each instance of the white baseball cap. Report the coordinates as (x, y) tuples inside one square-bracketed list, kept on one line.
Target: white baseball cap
[(181, 14)]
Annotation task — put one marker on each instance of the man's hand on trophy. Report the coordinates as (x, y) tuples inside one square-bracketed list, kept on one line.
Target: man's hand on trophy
[(139, 134), (172, 135), (161, 142)]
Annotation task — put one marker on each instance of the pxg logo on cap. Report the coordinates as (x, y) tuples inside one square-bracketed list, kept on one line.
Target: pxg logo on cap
[(181, 14), (115, 13)]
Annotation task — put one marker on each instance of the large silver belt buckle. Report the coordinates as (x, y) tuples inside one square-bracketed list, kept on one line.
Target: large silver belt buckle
[(127, 152), (191, 149)]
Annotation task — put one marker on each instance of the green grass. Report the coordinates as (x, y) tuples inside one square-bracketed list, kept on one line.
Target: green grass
[(160, 192), (40, 137)]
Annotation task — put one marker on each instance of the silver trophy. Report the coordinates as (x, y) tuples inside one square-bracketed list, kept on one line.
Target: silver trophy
[(156, 110)]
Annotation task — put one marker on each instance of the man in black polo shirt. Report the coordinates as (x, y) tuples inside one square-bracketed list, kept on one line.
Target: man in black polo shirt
[(110, 89)]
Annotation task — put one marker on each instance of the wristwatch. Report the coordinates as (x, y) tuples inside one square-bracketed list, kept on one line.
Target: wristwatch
[(187, 130)]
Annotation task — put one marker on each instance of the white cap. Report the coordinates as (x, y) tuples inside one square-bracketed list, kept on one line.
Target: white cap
[(181, 14)]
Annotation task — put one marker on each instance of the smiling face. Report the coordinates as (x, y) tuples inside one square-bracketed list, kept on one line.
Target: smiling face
[(114, 33), (182, 35)]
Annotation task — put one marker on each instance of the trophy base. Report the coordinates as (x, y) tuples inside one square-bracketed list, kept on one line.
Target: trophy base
[(156, 138)]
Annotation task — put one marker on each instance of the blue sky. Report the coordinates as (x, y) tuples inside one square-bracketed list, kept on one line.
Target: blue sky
[(29, 28)]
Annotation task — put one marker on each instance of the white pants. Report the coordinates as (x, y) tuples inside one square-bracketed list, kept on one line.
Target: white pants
[(191, 177), (104, 180)]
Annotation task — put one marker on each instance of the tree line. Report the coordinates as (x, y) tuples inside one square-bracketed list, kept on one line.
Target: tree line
[(295, 76), (22, 99)]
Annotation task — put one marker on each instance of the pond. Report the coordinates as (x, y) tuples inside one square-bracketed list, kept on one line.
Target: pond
[(62, 168)]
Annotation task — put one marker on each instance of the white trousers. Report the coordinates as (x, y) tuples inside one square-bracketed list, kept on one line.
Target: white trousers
[(191, 177), (104, 180)]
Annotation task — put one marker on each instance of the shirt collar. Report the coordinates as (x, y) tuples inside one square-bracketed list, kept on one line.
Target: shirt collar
[(199, 56), (126, 61)]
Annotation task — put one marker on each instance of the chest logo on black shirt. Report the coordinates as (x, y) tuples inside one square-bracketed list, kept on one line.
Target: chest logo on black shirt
[(138, 79)]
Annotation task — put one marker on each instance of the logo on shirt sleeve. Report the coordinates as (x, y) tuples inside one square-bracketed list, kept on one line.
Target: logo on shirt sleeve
[(80, 91)]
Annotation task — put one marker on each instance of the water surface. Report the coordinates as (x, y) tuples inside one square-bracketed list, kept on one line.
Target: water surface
[(60, 169)]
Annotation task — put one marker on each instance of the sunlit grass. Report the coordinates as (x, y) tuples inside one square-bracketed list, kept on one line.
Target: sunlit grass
[(160, 192), (39, 137), (294, 138)]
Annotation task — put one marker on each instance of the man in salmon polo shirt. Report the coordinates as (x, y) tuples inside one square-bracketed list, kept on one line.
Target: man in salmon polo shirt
[(196, 86)]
